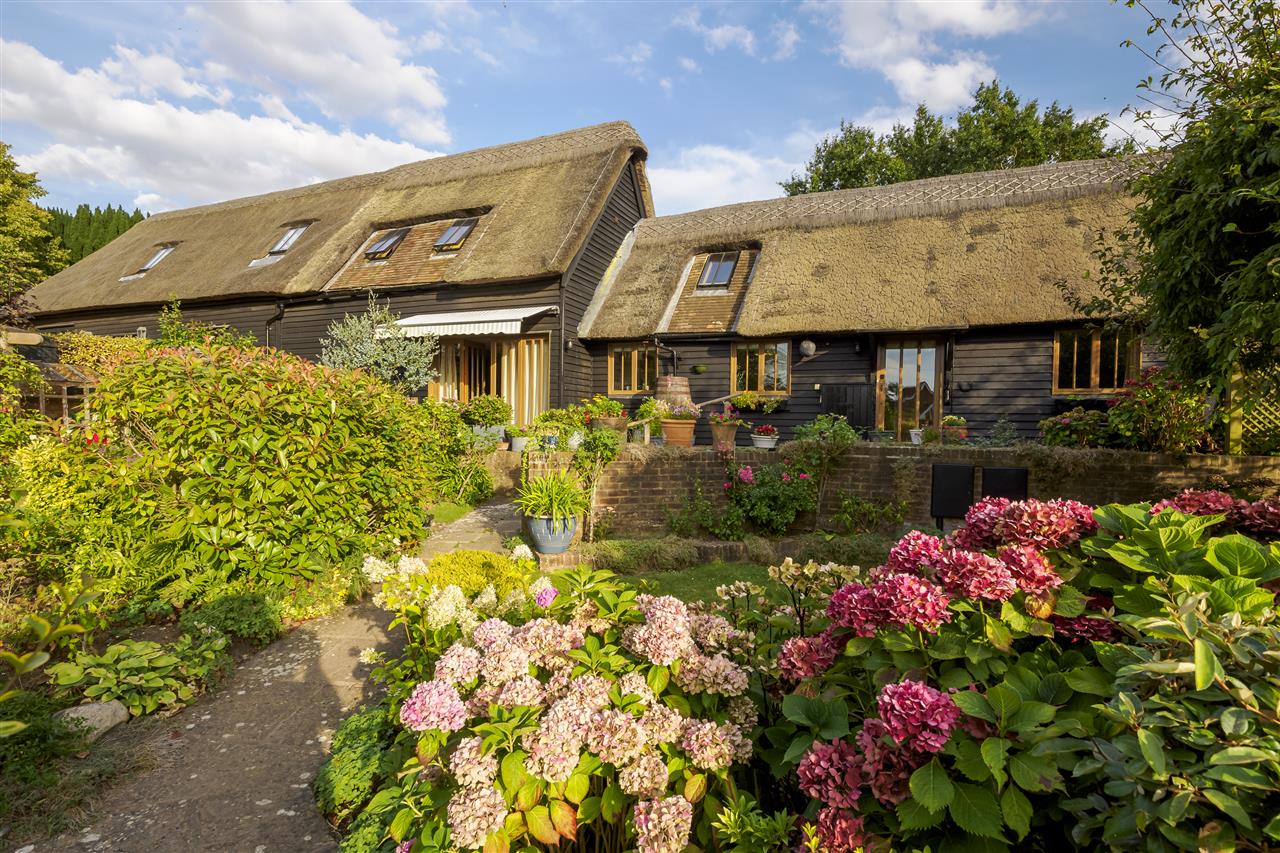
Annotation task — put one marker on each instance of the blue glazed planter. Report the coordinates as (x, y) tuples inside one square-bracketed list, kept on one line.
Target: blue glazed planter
[(551, 537)]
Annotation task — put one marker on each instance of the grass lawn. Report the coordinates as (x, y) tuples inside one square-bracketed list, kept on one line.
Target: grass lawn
[(699, 582), (443, 513)]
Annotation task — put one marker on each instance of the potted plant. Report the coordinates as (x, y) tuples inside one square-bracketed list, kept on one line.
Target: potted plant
[(765, 437), (917, 436), (551, 505), (750, 401), (955, 429), (603, 413), (650, 412), (724, 427), (678, 420), (519, 438), (487, 414)]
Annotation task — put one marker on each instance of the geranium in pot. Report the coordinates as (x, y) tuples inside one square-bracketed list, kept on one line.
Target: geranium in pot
[(955, 429), (487, 414), (765, 437), (603, 413), (724, 427), (551, 505), (678, 420)]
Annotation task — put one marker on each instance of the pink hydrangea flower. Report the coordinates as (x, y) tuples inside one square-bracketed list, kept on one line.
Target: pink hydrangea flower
[(433, 705), (917, 715), (832, 773), (709, 745), (1029, 568), (644, 777), (980, 523), (664, 637), (470, 766), (616, 737), (856, 606), (972, 574), (489, 632), (840, 831), (662, 826), (910, 601), (746, 475), (545, 596), (914, 551), (887, 766), (716, 674), (475, 813), (1043, 524), (458, 665), (804, 657)]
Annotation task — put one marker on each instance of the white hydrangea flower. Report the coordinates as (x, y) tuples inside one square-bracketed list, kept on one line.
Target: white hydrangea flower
[(522, 552), (370, 656), (487, 600)]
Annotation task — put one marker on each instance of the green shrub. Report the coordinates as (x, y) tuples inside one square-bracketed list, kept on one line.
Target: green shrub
[(472, 571), (218, 466), (864, 549), (1076, 428), (248, 616), (144, 675), (345, 782), (16, 423), (1161, 413), (863, 515), (28, 759), (770, 496), (635, 556), (487, 410), (557, 495), (98, 353)]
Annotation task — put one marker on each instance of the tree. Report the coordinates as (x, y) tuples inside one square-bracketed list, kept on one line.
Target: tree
[(373, 342), (29, 252), (88, 230), (1200, 266), (997, 131), (176, 331)]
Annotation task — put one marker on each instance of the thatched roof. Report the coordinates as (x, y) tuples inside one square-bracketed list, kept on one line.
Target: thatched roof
[(981, 249), (542, 195)]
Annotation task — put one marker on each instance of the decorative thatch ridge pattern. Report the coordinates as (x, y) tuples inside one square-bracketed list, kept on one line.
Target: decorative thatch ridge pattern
[(543, 194), (986, 248)]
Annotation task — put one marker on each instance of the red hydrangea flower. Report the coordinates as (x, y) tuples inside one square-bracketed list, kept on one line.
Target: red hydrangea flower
[(972, 574), (886, 766), (980, 522), (856, 607), (1085, 628), (840, 831), (917, 716), (913, 551), (1262, 518), (1029, 568), (805, 657), (1044, 524), (832, 773), (910, 601), (1201, 502)]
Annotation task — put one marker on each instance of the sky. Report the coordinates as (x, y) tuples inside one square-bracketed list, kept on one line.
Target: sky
[(166, 105)]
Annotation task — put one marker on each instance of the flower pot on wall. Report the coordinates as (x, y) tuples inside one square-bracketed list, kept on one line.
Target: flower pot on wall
[(495, 431), (618, 425), (519, 443), (764, 442), (917, 436), (678, 433), (551, 536), (724, 434), (575, 440)]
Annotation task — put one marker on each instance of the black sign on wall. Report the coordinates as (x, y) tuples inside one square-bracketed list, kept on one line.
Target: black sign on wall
[(952, 491)]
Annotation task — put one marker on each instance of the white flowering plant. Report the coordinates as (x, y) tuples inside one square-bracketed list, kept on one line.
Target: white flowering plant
[(591, 717)]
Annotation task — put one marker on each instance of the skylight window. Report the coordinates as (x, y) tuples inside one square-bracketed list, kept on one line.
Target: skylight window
[(285, 243), (160, 255), (718, 269), (455, 235), (385, 245)]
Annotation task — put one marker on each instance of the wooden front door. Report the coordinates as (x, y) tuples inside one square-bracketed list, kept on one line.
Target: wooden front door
[(908, 386)]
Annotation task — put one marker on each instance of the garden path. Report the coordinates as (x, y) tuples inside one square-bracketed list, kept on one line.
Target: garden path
[(233, 771)]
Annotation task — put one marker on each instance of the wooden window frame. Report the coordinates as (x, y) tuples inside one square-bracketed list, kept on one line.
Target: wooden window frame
[(637, 348), (1095, 356), (939, 367), (759, 366)]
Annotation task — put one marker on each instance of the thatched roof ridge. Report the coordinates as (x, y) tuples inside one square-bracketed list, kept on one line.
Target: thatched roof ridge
[(964, 250), (543, 195)]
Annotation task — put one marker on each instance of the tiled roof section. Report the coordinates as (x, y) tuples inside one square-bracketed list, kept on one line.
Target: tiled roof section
[(711, 309), (908, 198)]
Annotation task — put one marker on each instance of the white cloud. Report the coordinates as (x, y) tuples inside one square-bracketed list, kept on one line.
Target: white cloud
[(690, 65), (636, 54), (173, 153), (154, 73), (898, 39), (710, 175), (785, 38), (344, 62), (665, 84), (720, 37)]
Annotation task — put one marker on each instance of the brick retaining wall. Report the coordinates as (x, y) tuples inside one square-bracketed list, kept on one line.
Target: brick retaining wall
[(647, 482)]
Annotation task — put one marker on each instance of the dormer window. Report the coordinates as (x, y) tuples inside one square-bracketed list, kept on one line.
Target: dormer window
[(385, 245), (455, 235), (291, 235), (161, 253), (718, 269)]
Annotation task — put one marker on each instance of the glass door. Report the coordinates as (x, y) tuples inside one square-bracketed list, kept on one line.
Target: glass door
[(908, 388)]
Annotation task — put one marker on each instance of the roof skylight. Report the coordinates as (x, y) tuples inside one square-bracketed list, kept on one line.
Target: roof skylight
[(285, 243), (718, 269), (455, 235), (385, 245)]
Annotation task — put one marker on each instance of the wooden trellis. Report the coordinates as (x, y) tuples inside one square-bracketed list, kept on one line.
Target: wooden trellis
[(1255, 416)]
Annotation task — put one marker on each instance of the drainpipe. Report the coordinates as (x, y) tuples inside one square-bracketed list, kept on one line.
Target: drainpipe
[(675, 356), (271, 321)]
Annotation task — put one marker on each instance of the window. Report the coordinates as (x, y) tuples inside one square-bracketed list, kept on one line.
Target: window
[(160, 255), (455, 235), (718, 269), (1094, 360), (907, 395), (633, 368), (385, 245), (286, 242), (763, 367)]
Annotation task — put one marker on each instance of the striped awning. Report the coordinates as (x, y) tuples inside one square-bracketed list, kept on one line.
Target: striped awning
[(492, 321)]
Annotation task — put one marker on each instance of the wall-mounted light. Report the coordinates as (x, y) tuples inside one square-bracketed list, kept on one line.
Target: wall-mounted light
[(857, 346), (808, 348)]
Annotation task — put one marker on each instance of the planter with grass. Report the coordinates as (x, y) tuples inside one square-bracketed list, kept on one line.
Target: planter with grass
[(551, 505), (487, 414)]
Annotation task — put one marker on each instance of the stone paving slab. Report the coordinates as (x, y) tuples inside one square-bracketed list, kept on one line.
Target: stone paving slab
[(483, 529), (238, 765)]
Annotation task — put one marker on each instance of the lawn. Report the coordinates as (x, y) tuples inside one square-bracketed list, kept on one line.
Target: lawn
[(447, 511), (699, 582)]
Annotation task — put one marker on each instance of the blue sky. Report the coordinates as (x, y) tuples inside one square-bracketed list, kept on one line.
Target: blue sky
[(166, 105)]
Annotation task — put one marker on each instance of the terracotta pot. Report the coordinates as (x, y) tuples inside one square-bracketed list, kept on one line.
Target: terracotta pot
[(618, 425), (724, 434), (678, 433)]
